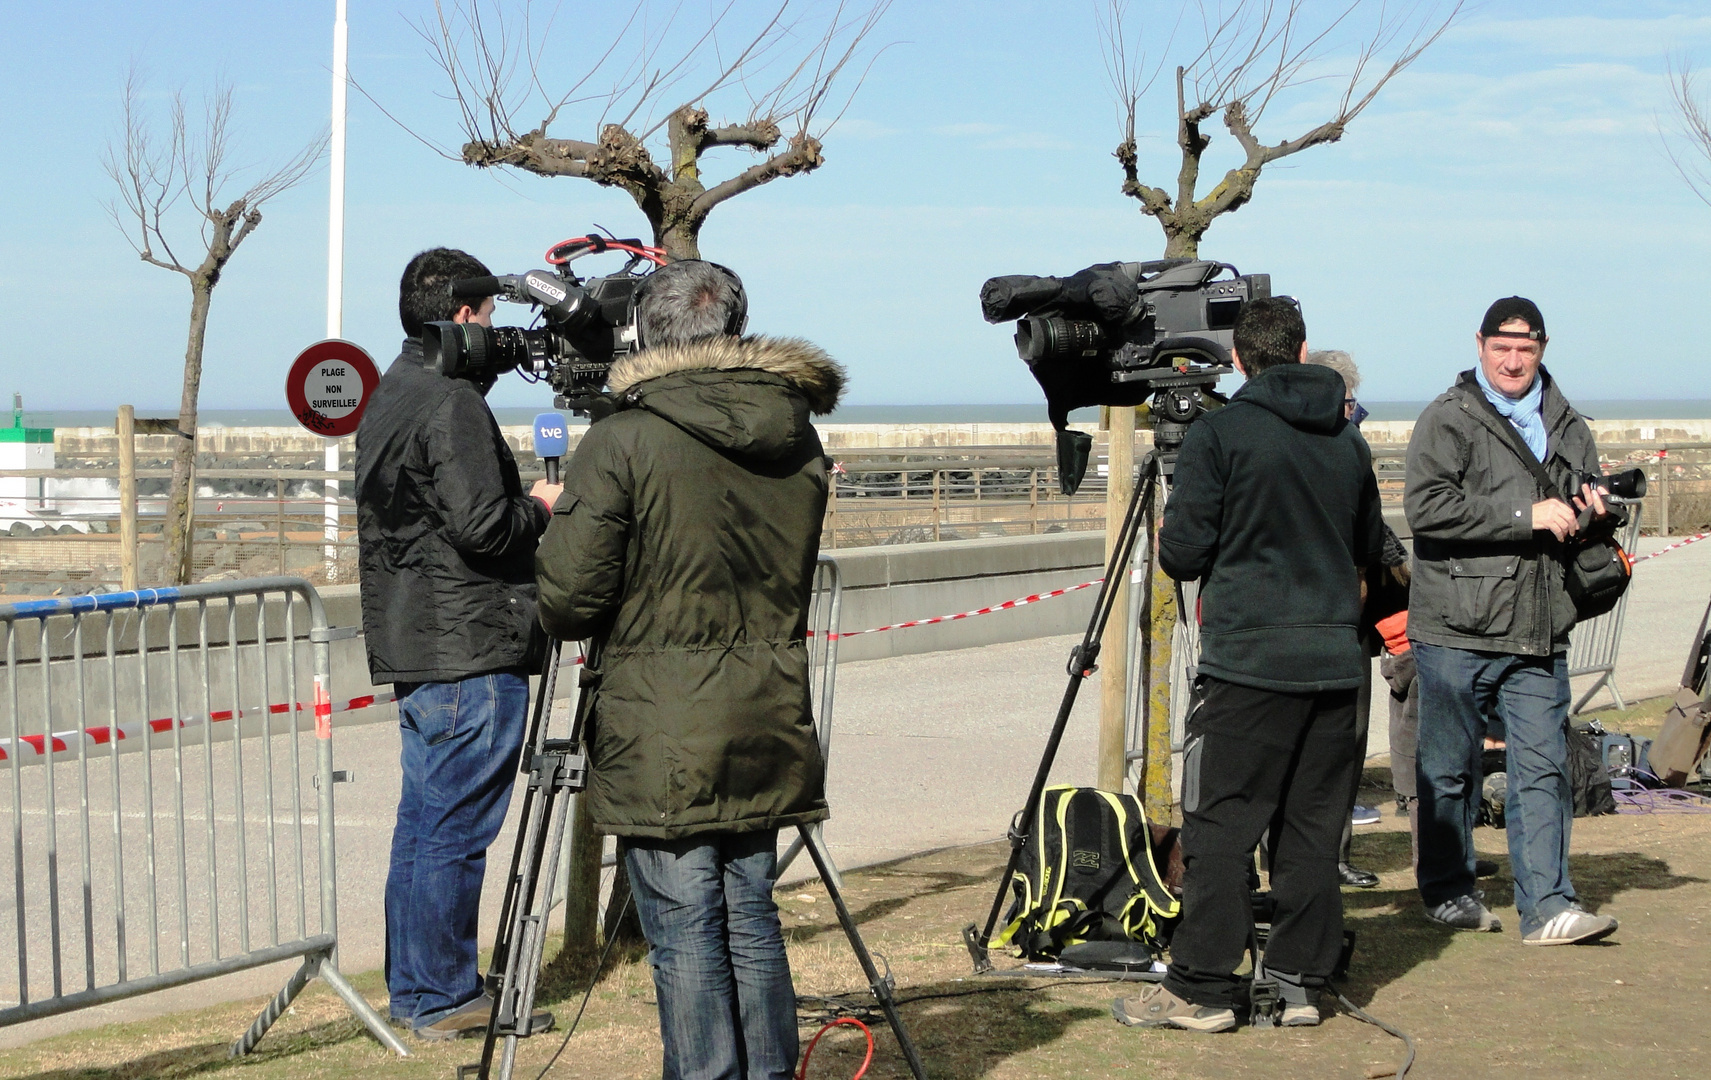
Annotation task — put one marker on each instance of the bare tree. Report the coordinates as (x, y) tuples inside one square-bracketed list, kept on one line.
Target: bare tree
[(1689, 146), (1250, 52), (165, 182), (493, 53)]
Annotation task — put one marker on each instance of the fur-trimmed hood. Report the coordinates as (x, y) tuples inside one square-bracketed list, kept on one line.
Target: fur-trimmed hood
[(802, 363), (750, 396)]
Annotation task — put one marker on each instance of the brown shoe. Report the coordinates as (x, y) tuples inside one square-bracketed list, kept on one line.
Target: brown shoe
[(1157, 1007), (470, 1020)]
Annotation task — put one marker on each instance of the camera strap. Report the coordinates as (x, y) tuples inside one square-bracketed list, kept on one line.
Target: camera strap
[(1519, 444)]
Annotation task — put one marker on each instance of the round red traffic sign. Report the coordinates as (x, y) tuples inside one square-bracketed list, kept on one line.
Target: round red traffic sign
[(330, 383)]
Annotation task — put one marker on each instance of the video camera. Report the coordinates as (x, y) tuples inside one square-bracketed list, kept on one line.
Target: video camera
[(588, 324), (1132, 333)]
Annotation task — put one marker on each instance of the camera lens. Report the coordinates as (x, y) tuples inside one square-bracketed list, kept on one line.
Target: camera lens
[(1627, 484), (448, 348), (1040, 338)]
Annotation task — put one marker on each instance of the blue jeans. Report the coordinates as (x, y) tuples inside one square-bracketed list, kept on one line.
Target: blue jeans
[(727, 1008), (461, 743), (1530, 695)]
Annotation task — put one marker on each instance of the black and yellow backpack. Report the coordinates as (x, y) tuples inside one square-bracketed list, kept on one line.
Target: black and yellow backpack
[(1087, 873)]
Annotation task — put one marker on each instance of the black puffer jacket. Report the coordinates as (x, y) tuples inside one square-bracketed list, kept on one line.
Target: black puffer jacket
[(1274, 507), (447, 535), (685, 543)]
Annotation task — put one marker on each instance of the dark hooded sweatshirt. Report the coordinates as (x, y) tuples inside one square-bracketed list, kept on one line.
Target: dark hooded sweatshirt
[(1274, 506), (685, 544)]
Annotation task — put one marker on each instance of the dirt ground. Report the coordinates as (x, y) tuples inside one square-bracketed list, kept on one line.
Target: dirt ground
[(1476, 1004)]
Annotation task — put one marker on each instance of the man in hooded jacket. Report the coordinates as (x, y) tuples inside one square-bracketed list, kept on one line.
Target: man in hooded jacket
[(684, 545), (1274, 510)]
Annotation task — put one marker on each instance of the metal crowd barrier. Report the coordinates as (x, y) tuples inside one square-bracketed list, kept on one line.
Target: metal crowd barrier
[(825, 614), (1593, 645), (167, 824)]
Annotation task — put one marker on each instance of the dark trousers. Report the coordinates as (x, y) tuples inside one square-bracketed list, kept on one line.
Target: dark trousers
[(1259, 762), (1399, 672), (1459, 689), (1363, 725)]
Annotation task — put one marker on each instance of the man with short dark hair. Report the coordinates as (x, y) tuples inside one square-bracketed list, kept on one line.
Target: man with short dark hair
[(447, 540), (685, 546), (1489, 618), (1274, 510)]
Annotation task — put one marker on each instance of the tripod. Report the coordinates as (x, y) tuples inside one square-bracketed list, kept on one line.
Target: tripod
[(1082, 663), (557, 768)]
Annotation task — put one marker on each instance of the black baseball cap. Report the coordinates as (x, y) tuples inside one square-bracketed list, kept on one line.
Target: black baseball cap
[(1513, 307)]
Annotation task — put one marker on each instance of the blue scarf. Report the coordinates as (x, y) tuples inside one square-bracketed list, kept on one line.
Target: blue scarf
[(1525, 412)]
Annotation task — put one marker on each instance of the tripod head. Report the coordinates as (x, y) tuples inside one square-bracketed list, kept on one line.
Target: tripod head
[(1180, 396)]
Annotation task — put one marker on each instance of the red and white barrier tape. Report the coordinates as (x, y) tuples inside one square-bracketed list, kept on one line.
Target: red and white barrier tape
[(65, 742), (1005, 606), (1672, 547)]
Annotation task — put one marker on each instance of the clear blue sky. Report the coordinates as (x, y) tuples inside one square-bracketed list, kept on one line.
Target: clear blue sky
[(1519, 155)]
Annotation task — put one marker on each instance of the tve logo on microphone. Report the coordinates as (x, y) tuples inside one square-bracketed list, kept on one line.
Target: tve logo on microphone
[(552, 438)]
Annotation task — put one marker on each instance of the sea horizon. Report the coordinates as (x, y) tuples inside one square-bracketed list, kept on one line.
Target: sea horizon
[(999, 413)]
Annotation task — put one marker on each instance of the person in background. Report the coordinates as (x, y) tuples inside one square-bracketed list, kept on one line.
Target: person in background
[(1344, 365)]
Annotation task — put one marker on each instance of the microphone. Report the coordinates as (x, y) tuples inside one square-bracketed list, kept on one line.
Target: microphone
[(478, 286), (552, 439)]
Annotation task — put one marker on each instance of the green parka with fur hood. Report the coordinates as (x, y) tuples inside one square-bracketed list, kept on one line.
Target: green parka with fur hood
[(685, 545)]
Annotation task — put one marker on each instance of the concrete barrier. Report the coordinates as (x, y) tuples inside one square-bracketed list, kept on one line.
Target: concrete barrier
[(883, 586)]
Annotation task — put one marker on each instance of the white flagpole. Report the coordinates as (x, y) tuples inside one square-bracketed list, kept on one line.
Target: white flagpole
[(336, 268)]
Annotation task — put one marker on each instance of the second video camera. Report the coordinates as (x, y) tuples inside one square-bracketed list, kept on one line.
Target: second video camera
[(1125, 334)]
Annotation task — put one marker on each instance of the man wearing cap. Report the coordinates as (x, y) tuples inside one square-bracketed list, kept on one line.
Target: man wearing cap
[(1489, 618)]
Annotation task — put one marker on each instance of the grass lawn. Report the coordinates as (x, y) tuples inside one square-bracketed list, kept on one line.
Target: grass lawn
[(1476, 1004)]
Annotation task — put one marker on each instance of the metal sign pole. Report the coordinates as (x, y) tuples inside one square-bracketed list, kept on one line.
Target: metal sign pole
[(336, 266)]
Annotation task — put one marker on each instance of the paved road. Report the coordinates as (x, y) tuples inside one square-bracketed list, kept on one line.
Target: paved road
[(928, 750)]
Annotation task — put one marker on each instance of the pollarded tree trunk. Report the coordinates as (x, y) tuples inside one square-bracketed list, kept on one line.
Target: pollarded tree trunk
[(181, 502), (152, 178)]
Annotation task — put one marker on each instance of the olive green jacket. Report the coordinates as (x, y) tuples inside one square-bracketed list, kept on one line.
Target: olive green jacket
[(684, 546)]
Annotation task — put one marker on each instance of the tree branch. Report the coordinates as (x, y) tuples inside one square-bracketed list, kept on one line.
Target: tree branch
[(1693, 125), (1253, 50), (760, 134), (803, 155)]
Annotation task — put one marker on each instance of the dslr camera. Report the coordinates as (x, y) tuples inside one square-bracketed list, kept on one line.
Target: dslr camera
[(1618, 488), (1125, 333), (586, 324), (1619, 491)]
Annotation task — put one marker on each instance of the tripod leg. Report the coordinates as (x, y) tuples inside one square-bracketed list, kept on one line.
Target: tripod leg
[(880, 984), (1081, 665), (555, 769), (795, 849), (514, 1010)]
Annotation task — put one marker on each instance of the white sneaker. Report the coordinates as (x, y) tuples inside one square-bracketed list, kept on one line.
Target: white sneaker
[(1300, 1016), (1571, 927)]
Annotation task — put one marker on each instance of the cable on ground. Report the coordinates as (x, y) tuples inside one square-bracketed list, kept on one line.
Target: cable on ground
[(592, 979), (1365, 1017), (802, 1073)]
